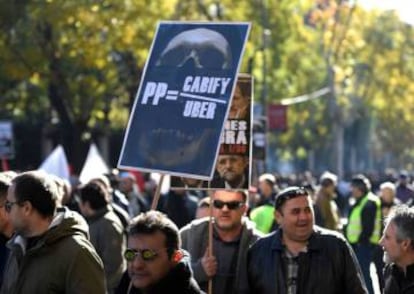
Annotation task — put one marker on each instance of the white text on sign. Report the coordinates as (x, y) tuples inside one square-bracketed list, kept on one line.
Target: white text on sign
[(192, 87)]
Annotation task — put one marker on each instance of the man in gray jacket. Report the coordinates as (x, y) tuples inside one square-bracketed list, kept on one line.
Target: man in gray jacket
[(106, 231), (50, 252), (232, 235)]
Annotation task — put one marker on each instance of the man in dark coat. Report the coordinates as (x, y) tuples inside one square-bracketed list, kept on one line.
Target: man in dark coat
[(300, 257), (398, 243)]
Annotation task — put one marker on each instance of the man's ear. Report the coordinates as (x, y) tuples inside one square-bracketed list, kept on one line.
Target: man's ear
[(407, 245), (177, 256), (278, 216), (245, 208), (27, 207)]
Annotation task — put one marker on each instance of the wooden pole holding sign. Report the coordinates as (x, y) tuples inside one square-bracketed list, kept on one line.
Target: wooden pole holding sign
[(156, 197), (210, 238)]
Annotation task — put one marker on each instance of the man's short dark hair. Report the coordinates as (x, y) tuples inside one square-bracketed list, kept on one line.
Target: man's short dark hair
[(289, 193), (95, 193), (403, 218), (243, 193), (362, 183), (39, 189), (152, 221)]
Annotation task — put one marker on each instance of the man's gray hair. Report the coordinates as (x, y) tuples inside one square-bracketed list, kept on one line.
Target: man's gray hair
[(403, 218)]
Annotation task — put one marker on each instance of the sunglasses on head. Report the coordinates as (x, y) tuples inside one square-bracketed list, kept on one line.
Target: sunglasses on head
[(146, 254), (230, 204), (288, 194)]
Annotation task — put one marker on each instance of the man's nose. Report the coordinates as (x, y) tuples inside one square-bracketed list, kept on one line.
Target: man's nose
[(137, 263), (381, 241), (303, 215), (225, 208), (227, 164)]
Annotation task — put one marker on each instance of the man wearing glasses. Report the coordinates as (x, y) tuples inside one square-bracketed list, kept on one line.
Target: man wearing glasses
[(156, 262), (300, 257), (6, 228), (50, 251), (233, 234)]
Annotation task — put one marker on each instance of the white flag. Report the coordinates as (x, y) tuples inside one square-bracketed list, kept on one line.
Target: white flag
[(94, 165), (56, 164)]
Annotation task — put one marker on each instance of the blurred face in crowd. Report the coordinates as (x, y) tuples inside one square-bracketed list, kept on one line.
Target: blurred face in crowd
[(203, 208), (387, 194), (266, 188), (356, 192), (228, 209), (403, 180), (191, 182), (393, 248), (146, 273), (296, 218), (126, 185), (329, 187), (231, 167), (203, 211)]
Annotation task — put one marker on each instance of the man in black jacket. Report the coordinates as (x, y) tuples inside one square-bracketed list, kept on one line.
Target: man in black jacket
[(156, 262), (300, 257), (398, 243)]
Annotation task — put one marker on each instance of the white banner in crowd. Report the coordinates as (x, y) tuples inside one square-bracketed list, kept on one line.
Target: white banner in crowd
[(56, 163), (94, 165)]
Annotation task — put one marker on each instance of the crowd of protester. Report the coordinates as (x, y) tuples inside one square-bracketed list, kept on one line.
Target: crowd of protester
[(286, 234)]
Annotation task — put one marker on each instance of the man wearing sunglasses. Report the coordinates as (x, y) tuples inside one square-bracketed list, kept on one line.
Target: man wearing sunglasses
[(156, 262), (50, 251), (300, 257), (233, 234)]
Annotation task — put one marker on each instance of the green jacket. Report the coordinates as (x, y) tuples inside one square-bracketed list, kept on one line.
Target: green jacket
[(61, 261)]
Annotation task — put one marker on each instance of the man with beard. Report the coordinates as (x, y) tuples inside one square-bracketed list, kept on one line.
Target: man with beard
[(233, 234), (231, 172), (50, 251), (398, 244), (300, 257)]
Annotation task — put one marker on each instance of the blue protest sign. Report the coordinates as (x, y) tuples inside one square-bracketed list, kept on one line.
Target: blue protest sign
[(183, 98)]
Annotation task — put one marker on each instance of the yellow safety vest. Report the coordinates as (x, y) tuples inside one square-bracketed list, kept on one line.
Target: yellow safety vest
[(263, 216), (354, 228)]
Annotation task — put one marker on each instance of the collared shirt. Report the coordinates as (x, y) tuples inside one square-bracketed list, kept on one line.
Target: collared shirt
[(292, 269)]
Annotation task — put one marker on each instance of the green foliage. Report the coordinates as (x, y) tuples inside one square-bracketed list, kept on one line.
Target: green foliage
[(79, 63)]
